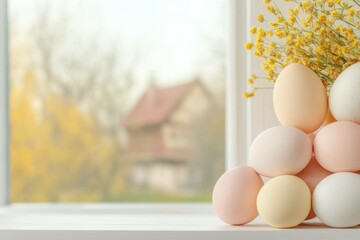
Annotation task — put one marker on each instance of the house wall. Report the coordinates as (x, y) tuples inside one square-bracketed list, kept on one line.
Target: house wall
[(169, 174), (146, 140), (177, 132), (164, 176)]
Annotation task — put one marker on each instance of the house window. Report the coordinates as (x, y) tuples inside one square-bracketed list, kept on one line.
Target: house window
[(123, 101)]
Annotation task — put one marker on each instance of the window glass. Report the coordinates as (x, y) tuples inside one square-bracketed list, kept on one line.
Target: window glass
[(116, 100)]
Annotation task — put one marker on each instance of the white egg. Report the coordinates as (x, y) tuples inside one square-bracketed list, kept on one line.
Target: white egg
[(344, 97), (336, 200)]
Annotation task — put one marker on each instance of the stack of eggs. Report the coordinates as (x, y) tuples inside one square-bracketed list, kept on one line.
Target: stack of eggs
[(313, 166)]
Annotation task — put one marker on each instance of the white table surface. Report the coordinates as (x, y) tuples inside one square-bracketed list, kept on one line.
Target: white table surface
[(158, 223)]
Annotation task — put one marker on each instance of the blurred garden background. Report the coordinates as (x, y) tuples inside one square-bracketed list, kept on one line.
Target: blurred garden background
[(116, 101)]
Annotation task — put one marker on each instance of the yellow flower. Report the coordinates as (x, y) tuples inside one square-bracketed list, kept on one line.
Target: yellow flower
[(249, 45), (322, 17), (335, 13), (351, 12), (292, 19), (307, 5), (271, 9), (322, 34), (260, 18), (253, 30), (261, 32), (248, 94), (355, 43), (289, 40), (309, 36), (269, 34), (258, 53), (280, 33)]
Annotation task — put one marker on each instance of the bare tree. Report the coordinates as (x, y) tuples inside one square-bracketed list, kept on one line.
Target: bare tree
[(90, 75)]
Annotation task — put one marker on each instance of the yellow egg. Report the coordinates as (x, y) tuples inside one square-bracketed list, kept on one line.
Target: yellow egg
[(284, 201), (300, 98)]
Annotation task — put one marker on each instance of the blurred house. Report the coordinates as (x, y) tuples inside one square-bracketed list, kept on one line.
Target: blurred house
[(161, 135)]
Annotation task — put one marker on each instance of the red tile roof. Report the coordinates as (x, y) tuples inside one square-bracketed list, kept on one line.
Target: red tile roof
[(156, 105)]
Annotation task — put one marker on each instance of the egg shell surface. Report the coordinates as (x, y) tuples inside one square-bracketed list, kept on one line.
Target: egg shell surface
[(284, 201), (234, 195), (279, 151), (300, 98), (344, 97), (337, 148), (336, 200)]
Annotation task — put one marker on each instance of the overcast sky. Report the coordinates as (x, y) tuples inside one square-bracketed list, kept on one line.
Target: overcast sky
[(174, 39)]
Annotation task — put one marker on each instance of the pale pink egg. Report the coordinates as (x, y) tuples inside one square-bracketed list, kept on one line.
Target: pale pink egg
[(280, 150), (234, 195), (312, 174), (337, 148)]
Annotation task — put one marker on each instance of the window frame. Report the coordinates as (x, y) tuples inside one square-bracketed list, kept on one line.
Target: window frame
[(239, 120), (4, 107)]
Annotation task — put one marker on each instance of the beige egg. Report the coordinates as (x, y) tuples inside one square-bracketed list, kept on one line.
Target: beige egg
[(284, 201), (300, 98), (234, 195)]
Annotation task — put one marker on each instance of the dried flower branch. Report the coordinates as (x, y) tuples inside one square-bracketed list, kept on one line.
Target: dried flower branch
[(321, 34)]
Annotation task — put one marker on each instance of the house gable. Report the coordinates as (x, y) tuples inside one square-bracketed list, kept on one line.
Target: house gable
[(178, 129)]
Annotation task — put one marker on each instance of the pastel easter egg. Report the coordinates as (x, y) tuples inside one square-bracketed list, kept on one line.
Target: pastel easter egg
[(336, 200), (284, 201), (312, 174), (280, 150), (234, 195), (300, 98), (344, 97), (337, 148)]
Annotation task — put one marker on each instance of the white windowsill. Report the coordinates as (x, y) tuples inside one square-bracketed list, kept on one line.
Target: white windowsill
[(136, 221)]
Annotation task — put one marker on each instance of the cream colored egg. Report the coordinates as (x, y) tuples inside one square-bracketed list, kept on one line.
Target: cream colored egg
[(284, 201), (234, 195), (344, 97), (300, 98), (279, 151)]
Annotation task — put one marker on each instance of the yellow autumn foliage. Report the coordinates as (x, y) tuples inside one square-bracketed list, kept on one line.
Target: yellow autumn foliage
[(57, 151)]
